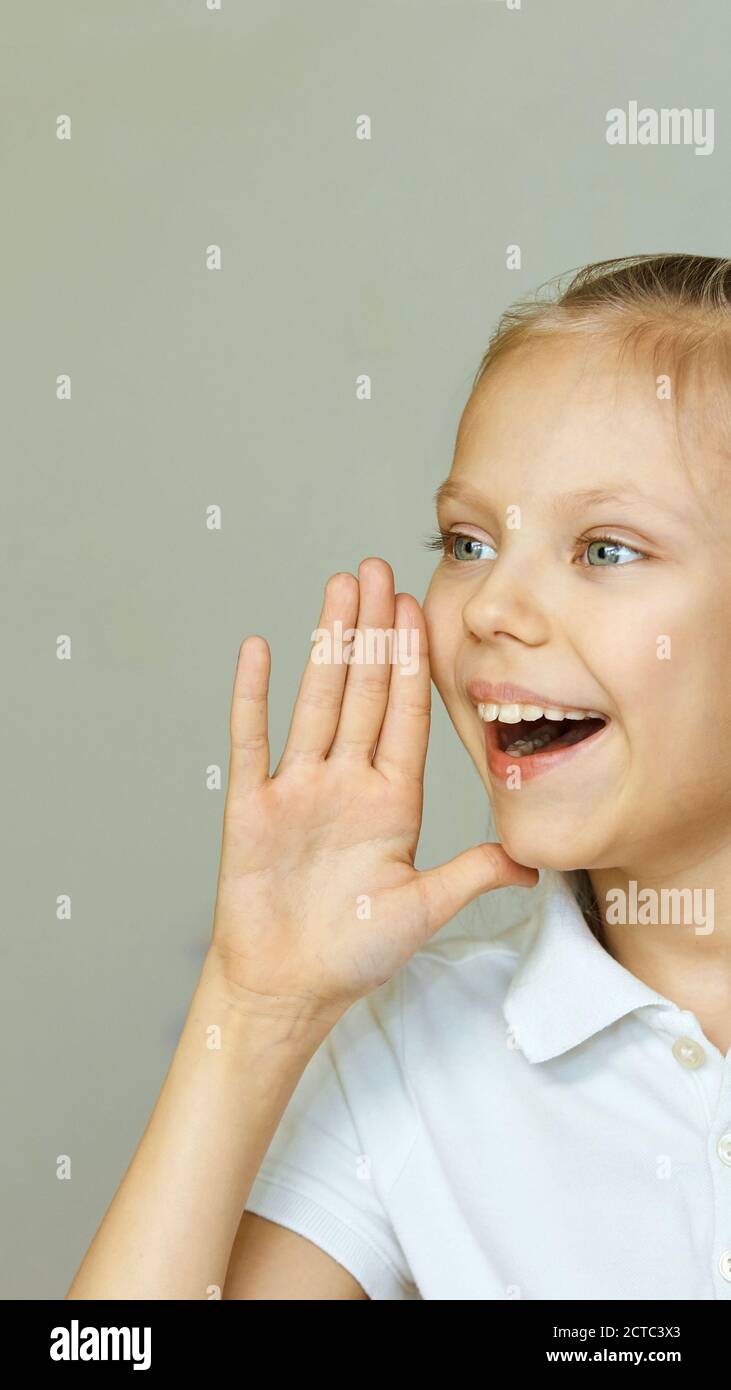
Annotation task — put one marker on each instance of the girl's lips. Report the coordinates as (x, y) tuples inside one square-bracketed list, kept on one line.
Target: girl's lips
[(502, 764)]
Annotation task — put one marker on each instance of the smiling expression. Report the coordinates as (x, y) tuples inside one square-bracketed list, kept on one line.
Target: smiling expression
[(587, 570)]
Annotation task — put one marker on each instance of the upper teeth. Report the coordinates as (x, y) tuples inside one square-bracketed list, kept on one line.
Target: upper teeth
[(512, 714)]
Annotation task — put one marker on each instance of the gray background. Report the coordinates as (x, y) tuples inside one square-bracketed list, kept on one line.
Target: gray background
[(192, 387)]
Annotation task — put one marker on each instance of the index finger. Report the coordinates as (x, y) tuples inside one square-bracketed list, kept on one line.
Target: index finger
[(402, 745)]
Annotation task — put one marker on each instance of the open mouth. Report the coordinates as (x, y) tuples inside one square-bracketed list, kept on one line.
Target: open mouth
[(529, 736)]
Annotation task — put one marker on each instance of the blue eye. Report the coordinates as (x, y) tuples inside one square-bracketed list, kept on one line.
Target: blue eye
[(472, 548), (448, 541), (610, 552)]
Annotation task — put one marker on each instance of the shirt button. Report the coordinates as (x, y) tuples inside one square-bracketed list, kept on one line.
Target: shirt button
[(724, 1264), (688, 1052), (723, 1148)]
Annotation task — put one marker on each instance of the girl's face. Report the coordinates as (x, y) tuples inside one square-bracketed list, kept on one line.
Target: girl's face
[(587, 565)]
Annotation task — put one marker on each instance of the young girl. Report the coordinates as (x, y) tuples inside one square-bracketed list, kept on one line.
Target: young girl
[(359, 1109)]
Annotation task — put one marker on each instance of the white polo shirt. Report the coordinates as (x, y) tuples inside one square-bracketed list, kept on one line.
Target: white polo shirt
[(518, 1117)]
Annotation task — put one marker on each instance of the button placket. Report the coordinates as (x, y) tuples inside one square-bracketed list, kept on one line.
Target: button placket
[(692, 1052), (719, 1153), (710, 1078)]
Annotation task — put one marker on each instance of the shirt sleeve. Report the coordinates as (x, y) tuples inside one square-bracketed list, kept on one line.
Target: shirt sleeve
[(317, 1179)]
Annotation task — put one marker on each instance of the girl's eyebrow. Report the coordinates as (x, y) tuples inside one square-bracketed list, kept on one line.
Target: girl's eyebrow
[(460, 492), (563, 502), (626, 492)]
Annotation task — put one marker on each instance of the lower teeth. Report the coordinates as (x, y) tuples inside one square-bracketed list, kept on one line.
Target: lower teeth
[(522, 747)]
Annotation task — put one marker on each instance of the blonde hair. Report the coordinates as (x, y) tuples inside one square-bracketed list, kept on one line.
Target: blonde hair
[(581, 886), (675, 307)]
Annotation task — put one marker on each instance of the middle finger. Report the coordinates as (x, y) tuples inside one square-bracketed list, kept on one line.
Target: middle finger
[(366, 687)]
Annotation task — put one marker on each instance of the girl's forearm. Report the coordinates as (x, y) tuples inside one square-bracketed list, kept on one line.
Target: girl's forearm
[(170, 1227)]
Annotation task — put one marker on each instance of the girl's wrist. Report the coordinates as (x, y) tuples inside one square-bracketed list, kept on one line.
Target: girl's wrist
[(251, 1017)]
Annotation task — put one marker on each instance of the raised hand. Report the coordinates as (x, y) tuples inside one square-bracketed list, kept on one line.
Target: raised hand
[(318, 901)]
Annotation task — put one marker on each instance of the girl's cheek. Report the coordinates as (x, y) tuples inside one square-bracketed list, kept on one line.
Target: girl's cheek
[(645, 663), (442, 627)]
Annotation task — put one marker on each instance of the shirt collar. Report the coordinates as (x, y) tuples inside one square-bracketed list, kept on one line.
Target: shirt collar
[(567, 987)]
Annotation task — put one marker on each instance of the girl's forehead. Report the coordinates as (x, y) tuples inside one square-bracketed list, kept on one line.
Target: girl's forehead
[(627, 459), (570, 415), (569, 381), (591, 378)]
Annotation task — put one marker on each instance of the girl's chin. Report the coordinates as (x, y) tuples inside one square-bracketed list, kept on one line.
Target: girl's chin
[(563, 850)]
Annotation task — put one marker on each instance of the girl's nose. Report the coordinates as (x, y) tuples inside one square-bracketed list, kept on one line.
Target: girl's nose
[(503, 606)]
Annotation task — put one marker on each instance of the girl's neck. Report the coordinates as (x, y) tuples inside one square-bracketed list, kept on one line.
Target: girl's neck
[(672, 931)]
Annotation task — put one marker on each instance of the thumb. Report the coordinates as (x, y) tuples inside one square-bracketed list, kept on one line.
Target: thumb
[(448, 888)]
